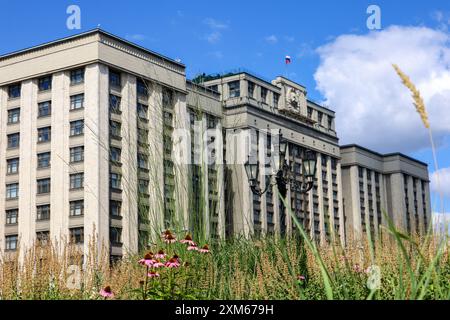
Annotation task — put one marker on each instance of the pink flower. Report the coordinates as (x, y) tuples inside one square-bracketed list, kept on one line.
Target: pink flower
[(148, 259), (204, 249), (160, 255), (188, 240), (158, 264), (173, 263), (301, 278), (153, 274), (170, 238), (357, 268), (106, 292), (192, 248)]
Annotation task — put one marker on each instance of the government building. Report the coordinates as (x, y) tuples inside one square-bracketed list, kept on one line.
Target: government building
[(103, 140)]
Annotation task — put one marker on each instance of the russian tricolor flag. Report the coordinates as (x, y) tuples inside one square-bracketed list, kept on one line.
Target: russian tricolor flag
[(288, 59)]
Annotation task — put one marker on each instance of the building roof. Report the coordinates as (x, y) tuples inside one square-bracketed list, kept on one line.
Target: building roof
[(348, 146), (87, 33)]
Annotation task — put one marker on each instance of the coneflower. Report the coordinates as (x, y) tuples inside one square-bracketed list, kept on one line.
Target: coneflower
[(106, 292), (147, 260), (170, 238), (192, 248), (160, 254), (204, 249), (188, 240), (173, 263), (153, 274), (157, 264)]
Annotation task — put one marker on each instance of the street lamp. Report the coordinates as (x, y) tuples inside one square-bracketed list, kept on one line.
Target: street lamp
[(284, 176)]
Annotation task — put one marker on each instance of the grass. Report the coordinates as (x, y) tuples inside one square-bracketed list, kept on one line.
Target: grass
[(267, 268)]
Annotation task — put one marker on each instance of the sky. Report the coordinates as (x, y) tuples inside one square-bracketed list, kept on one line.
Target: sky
[(342, 63)]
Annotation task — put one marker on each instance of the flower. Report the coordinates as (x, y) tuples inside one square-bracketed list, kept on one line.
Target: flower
[(170, 238), (147, 260), (160, 255), (153, 274), (357, 268), (301, 278), (173, 263), (204, 249), (188, 240), (106, 292), (157, 264), (192, 248)]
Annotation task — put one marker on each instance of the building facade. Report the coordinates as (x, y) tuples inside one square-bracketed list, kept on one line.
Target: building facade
[(379, 186), (105, 141)]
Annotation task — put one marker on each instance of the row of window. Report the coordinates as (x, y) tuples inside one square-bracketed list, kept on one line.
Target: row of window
[(44, 134), (45, 83), (76, 237), (43, 160)]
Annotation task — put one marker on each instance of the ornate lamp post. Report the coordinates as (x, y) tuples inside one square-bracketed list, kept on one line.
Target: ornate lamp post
[(284, 176)]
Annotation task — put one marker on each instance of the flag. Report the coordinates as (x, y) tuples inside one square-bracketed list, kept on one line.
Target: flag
[(288, 59)]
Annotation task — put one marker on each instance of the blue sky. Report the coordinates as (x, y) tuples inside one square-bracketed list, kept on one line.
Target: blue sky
[(216, 37)]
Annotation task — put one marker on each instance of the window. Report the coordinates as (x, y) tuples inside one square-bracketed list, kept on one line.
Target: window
[(76, 235), (43, 186), (114, 79), (214, 88), (13, 140), (114, 104), (13, 116), (167, 98), (76, 181), (11, 242), (142, 111), (263, 94), (234, 88), (76, 208), (12, 191), (115, 235), (43, 160), (251, 89), (210, 122), (12, 166), (14, 91), (43, 212), (115, 154), (142, 136), (77, 102), (141, 87), (12, 216), (310, 111), (142, 161), (76, 128), (44, 109), (42, 237), (45, 83), (115, 208), (360, 172), (115, 181), (276, 98), (76, 76), (319, 117), (44, 134), (330, 123), (143, 186), (77, 154), (115, 128)]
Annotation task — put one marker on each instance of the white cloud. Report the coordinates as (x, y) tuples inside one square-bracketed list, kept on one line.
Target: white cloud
[(441, 180), (136, 37), (213, 37), (214, 24), (289, 38), (440, 222), (272, 39), (216, 28), (373, 108)]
